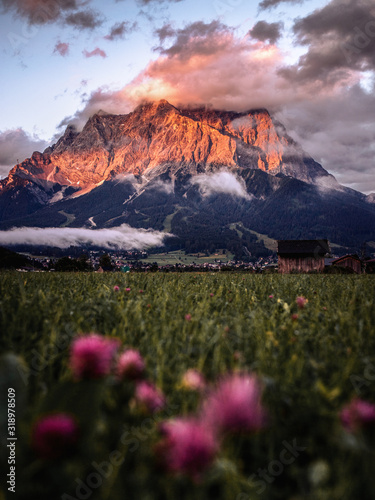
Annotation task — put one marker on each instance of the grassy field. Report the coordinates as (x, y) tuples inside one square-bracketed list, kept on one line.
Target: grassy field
[(311, 362), (179, 257)]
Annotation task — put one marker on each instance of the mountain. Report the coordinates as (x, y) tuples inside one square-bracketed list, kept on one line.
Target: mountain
[(213, 178)]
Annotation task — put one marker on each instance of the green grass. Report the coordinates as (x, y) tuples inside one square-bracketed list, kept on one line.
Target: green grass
[(179, 257), (310, 368)]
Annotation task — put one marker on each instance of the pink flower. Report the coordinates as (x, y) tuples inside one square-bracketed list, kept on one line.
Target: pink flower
[(301, 302), (188, 317), (193, 380), (235, 405), (140, 291), (356, 414), (211, 294), (91, 356), (54, 436), (130, 365), (294, 317), (188, 447), (127, 289), (270, 296), (149, 397), (116, 288)]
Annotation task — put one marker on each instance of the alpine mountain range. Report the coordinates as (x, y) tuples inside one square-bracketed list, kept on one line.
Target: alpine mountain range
[(212, 178)]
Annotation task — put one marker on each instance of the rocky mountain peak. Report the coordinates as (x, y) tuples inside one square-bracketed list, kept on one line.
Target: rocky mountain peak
[(157, 136)]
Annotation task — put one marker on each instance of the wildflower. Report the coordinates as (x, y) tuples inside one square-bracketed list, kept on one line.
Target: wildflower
[(270, 296), (116, 288), (91, 356), (301, 302), (211, 294), (188, 447), (149, 397), (127, 289), (54, 436), (188, 317), (356, 414), (193, 380), (294, 317), (140, 291), (235, 405), (130, 365)]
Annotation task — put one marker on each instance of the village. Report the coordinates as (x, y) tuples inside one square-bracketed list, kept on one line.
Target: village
[(293, 256)]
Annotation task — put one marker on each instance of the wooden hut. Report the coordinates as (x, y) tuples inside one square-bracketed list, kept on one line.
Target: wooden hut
[(350, 261), (302, 256)]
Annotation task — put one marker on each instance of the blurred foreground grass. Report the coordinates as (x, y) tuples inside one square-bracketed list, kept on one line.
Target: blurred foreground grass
[(311, 365)]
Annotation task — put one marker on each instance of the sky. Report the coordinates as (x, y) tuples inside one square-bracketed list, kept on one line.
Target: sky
[(309, 62)]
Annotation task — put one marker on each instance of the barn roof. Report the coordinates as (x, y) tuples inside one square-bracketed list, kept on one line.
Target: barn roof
[(352, 256), (303, 248)]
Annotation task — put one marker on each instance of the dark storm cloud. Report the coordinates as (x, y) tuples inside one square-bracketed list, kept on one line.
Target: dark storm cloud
[(271, 4), (340, 38), (85, 19), (267, 32), (120, 30)]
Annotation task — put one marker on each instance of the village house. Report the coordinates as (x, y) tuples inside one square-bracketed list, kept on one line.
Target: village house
[(349, 261), (302, 256)]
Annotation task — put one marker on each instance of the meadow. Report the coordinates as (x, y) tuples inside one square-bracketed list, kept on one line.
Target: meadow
[(310, 359)]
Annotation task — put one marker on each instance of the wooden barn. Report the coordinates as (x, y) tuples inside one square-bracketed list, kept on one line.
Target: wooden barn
[(350, 261), (302, 256)]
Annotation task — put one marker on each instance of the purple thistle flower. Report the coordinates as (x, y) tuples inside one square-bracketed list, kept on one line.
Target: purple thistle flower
[(188, 446), (301, 302), (357, 414), (131, 365), (235, 405), (54, 436), (149, 397), (91, 356)]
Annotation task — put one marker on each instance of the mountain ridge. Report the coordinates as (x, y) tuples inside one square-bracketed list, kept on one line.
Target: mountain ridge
[(195, 172)]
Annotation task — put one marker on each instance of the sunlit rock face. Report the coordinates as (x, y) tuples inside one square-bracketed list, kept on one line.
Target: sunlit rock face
[(157, 136)]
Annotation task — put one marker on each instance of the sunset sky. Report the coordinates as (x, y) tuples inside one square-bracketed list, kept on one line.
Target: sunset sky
[(310, 63)]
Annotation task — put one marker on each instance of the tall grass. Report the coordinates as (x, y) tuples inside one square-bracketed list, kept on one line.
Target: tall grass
[(310, 365)]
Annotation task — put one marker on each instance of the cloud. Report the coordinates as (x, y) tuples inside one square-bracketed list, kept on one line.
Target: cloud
[(206, 64), (271, 4), (340, 41), (203, 64), (15, 146), (39, 11), (338, 131), (222, 182), (61, 48), (120, 30), (95, 52), (267, 32), (123, 237), (85, 19), (149, 2)]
